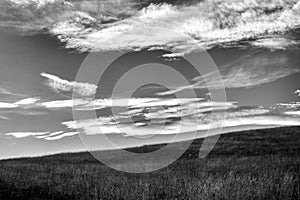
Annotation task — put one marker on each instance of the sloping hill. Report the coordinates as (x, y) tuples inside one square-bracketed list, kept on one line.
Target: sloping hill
[(256, 164)]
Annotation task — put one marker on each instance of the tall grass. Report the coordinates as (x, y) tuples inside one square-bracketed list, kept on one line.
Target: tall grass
[(261, 164)]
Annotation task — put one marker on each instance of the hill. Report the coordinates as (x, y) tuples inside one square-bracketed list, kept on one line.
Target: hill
[(255, 164)]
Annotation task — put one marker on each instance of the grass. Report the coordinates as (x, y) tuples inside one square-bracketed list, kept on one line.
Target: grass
[(259, 164)]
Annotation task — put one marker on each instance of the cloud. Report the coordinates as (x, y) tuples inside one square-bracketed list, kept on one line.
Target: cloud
[(23, 102), (20, 107), (4, 117), (276, 43), (249, 71), (184, 29), (24, 112), (132, 103), (173, 119), (49, 135), (263, 121), (36, 3), (77, 104), (93, 127), (62, 103), (27, 101), (10, 93), (90, 25), (289, 106), (42, 135), (296, 113), (36, 16), (25, 134), (62, 85), (7, 105), (58, 137)]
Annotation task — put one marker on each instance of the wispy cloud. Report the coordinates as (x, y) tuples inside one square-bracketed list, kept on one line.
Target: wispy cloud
[(276, 42), (42, 135), (25, 134), (296, 113), (181, 119), (289, 106), (89, 25), (7, 105), (37, 3), (62, 85), (192, 116), (4, 117), (62, 103), (20, 107), (249, 71), (57, 135), (49, 135), (27, 101), (263, 121), (10, 93), (22, 102), (147, 116), (96, 126)]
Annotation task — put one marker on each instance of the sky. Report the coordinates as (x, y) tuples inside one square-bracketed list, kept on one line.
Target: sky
[(150, 89)]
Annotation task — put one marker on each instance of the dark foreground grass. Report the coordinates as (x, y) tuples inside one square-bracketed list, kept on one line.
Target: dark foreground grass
[(262, 164)]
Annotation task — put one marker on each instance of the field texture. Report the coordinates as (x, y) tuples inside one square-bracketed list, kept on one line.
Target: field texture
[(259, 164)]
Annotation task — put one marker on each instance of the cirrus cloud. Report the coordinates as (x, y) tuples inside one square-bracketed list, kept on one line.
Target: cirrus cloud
[(248, 71), (61, 85), (27, 101), (47, 135)]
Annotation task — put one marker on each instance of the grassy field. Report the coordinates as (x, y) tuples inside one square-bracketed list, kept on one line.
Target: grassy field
[(257, 164)]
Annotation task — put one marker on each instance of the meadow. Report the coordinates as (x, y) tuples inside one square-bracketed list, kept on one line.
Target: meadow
[(255, 164)]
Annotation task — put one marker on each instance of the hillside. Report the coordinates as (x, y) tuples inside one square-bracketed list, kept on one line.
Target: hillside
[(256, 164)]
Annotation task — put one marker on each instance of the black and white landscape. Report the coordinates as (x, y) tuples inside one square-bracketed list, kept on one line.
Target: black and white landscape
[(213, 82)]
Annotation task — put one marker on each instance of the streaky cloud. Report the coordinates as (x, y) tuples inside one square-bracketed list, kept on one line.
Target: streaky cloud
[(295, 113), (61, 85), (27, 101), (57, 135), (4, 117), (25, 134), (249, 71), (132, 103), (10, 93), (37, 3), (50, 136), (171, 120), (289, 106), (7, 105), (61, 136)]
